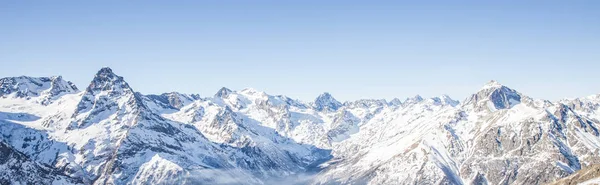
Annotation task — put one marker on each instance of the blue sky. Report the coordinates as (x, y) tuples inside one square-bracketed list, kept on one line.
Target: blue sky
[(352, 49)]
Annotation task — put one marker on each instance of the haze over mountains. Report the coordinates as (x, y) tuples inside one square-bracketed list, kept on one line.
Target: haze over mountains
[(107, 133)]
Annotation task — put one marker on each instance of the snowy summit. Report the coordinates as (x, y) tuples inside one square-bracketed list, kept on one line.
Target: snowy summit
[(52, 133)]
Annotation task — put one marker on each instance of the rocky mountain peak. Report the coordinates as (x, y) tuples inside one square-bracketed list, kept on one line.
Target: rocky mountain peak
[(115, 138), (105, 70), (105, 79), (412, 100), (47, 88), (494, 96), (178, 100), (58, 86), (107, 91), (326, 102), (223, 92), (445, 100), (395, 102)]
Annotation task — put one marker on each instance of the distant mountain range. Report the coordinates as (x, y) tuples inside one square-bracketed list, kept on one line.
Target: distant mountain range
[(54, 133)]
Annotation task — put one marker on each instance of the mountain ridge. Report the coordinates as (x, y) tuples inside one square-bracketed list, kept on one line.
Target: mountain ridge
[(103, 134)]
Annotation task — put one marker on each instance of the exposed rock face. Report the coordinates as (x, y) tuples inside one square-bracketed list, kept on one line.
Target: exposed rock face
[(326, 102), (497, 136), (589, 175), (110, 134), (43, 90), (117, 136), (344, 125), (175, 99), (395, 102), (223, 92), (107, 94), (494, 96), (445, 100), (413, 100), (17, 168)]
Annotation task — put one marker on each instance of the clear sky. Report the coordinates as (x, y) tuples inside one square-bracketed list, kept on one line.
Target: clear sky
[(352, 49)]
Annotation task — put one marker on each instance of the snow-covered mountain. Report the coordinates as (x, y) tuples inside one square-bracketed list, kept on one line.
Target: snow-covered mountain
[(52, 133), (497, 136), (43, 90)]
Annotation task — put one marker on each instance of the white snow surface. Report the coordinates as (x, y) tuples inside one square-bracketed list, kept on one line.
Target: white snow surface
[(111, 134)]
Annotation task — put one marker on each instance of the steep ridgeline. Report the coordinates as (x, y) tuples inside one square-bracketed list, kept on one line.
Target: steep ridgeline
[(43, 90), (110, 134)]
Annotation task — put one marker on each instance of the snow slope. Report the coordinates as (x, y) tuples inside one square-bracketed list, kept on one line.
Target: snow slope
[(111, 134), (496, 136)]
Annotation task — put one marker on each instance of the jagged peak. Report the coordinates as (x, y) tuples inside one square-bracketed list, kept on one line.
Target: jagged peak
[(326, 101), (25, 86), (105, 74), (105, 70), (395, 101), (493, 85), (445, 100), (106, 82), (175, 93), (24, 81), (324, 95), (444, 97), (174, 100), (495, 96), (59, 77), (58, 85), (23, 77), (417, 97), (414, 99), (223, 92), (282, 99)]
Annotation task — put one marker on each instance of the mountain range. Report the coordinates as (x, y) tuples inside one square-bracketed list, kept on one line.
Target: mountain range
[(52, 132)]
